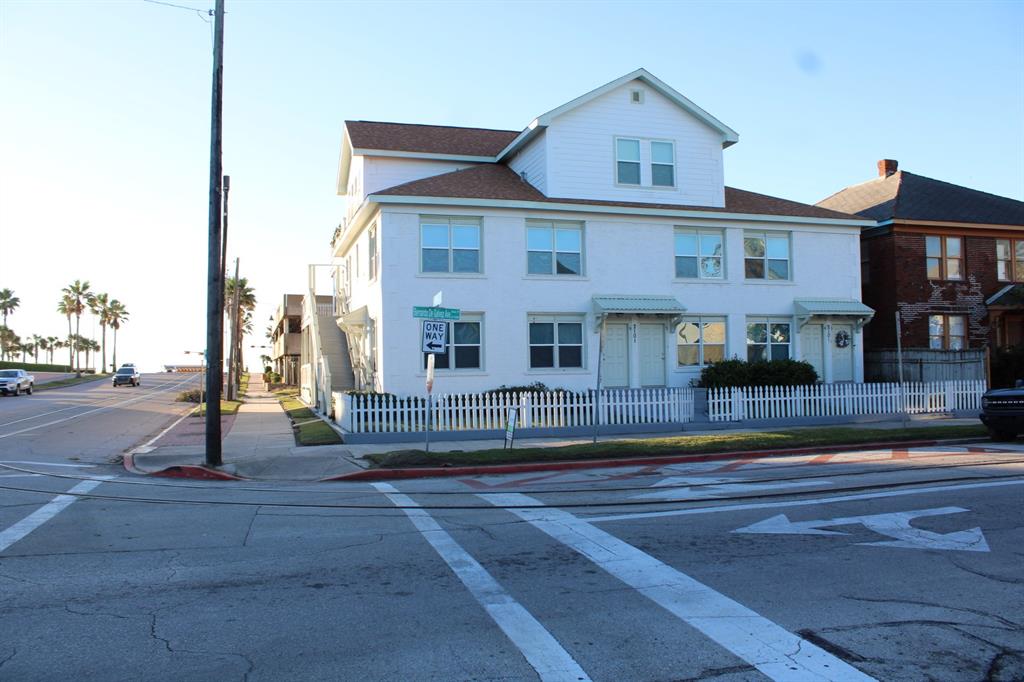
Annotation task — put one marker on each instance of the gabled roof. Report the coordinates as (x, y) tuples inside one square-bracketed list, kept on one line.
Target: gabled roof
[(1010, 296), (906, 196), (499, 182), (428, 139), (729, 136)]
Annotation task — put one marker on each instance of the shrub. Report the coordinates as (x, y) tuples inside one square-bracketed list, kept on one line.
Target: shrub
[(737, 372), (1007, 366), (194, 395)]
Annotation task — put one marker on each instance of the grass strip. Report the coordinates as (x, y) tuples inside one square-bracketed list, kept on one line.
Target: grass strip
[(677, 445), (307, 427), (62, 383), (226, 407)]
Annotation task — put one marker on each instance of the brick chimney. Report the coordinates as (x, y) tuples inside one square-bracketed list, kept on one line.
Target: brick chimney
[(887, 167)]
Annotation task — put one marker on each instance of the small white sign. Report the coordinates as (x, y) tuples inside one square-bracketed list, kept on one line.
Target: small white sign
[(435, 336), (438, 299)]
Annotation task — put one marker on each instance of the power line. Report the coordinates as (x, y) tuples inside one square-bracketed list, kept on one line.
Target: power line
[(199, 12)]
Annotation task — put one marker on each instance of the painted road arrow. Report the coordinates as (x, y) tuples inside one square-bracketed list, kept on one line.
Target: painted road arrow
[(895, 525)]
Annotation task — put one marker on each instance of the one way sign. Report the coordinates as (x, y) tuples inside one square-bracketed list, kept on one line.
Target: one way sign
[(435, 336)]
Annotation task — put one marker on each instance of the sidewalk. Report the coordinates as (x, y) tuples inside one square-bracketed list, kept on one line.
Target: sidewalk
[(259, 446)]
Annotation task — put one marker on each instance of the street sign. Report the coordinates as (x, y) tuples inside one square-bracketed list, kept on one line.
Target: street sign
[(438, 299), (510, 427), (428, 313), (435, 336)]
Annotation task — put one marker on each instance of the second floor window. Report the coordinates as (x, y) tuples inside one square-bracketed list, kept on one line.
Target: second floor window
[(627, 161), (1010, 260), (554, 249), (450, 245), (767, 340), (947, 332), (663, 164), (699, 254), (943, 257), (766, 255)]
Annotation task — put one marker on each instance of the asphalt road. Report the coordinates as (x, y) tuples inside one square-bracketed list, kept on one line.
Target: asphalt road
[(893, 565), (88, 423)]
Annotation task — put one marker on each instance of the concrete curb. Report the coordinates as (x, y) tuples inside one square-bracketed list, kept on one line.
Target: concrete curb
[(192, 471), (485, 469)]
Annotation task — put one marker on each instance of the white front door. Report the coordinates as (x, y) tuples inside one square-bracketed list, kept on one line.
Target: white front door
[(811, 348), (842, 356), (651, 344), (615, 361)]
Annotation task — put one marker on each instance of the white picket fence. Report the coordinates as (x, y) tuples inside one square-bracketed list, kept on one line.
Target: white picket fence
[(831, 400), (358, 413)]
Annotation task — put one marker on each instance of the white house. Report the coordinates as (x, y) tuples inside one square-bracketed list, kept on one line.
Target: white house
[(608, 213)]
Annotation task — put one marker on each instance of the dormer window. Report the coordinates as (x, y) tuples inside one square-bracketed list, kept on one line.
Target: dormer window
[(627, 157), (663, 164)]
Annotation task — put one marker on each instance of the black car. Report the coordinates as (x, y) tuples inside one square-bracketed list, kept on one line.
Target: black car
[(126, 375), (1002, 411)]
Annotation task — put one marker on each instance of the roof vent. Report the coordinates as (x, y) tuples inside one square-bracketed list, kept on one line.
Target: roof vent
[(636, 96), (887, 167), (522, 174)]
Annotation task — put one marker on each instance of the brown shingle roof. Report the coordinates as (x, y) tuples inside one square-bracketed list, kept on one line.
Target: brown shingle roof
[(496, 181), (908, 196), (408, 137)]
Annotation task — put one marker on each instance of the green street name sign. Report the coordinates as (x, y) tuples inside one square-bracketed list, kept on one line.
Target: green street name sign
[(429, 313)]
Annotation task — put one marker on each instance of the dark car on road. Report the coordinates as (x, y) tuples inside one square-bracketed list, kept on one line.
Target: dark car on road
[(1002, 411), (126, 375)]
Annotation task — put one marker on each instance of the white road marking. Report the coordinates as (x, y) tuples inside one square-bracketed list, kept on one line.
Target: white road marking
[(541, 650), (714, 486), (147, 446), (46, 512), (802, 503), (894, 524), (145, 396), (770, 648)]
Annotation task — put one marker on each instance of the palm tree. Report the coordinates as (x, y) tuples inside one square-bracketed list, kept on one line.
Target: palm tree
[(51, 345), (100, 306), (36, 340), (8, 302), (246, 304), (79, 292), (66, 307), (117, 315), (8, 341)]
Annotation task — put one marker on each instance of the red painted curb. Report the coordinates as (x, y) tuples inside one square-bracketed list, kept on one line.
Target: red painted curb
[(484, 469), (181, 471)]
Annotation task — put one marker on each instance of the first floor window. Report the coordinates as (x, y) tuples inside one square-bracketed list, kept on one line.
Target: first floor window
[(554, 249), (700, 341), (699, 254), (556, 342), (766, 255), (947, 332), (462, 351), (767, 340), (449, 245)]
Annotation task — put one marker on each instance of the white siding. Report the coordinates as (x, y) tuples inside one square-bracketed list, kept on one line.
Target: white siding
[(382, 172), (532, 160), (581, 150), (623, 255)]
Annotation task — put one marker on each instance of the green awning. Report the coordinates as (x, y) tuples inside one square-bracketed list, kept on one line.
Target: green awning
[(637, 305), (806, 308)]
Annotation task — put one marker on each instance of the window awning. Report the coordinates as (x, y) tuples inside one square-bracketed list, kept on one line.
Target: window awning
[(1010, 297), (806, 308), (633, 304), (354, 321)]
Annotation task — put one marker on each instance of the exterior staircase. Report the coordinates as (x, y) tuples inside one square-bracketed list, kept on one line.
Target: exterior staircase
[(334, 348)]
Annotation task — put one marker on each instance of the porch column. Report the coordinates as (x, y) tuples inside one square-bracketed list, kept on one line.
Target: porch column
[(634, 354), (826, 345), (858, 355)]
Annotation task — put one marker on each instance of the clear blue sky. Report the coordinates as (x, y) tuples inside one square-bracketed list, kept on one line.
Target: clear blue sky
[(104, 126)]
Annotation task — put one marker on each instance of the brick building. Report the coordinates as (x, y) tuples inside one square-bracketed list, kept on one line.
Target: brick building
[(950, 259)]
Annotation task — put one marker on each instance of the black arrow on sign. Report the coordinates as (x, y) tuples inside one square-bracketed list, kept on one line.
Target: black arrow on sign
[(434, 345)]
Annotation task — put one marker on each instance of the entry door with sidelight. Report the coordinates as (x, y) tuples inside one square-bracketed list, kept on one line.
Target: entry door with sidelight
[(615, 360), (651, 344)]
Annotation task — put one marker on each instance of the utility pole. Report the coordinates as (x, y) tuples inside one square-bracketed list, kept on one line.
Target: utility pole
[(215, 280), (232, 368)]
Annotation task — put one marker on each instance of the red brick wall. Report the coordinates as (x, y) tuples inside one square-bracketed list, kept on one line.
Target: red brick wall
[(898, 280)]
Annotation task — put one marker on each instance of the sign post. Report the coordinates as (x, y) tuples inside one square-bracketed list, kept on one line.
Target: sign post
[(430, 397), (433, 342), (510, 427)]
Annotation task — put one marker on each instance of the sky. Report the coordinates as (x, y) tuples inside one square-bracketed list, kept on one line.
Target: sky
[(105, 120)]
